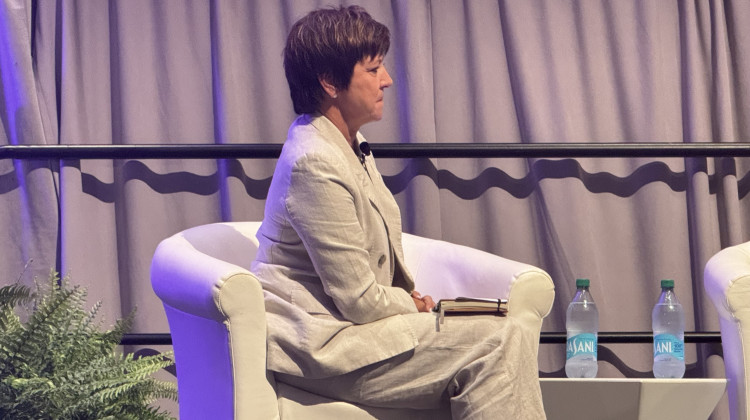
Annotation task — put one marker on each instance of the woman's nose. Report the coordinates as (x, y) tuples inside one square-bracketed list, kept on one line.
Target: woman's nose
[(387, 81)]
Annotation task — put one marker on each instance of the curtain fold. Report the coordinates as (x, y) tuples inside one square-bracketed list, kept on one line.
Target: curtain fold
[(28, 195), (540, 71)]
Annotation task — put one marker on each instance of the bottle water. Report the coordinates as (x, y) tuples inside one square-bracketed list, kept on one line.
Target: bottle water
[(668, 324), (582, 325)]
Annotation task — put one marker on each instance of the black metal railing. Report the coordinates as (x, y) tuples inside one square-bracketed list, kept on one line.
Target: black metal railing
[(633, 337), (545, 338), (382, 150), (145, 339)]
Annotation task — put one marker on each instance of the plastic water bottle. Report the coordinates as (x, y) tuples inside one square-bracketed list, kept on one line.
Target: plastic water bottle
[(582, 325), (668, 324)]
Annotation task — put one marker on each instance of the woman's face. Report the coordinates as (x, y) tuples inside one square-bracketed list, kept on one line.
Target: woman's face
[(362, 102)]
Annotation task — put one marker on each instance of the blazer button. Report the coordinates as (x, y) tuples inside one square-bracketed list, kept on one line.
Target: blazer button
[(381, 260)]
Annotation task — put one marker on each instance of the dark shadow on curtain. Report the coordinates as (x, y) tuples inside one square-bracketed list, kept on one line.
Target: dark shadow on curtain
[(9, 181), (175, 182), (467, 189), (601, 182)]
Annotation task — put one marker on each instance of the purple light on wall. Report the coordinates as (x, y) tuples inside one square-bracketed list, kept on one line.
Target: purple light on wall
[(14, 101), (21, 122)]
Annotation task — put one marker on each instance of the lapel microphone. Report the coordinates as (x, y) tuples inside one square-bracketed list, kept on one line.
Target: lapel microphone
[(364, 147)]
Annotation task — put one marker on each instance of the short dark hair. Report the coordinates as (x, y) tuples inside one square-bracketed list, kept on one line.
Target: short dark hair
[(328, 43)]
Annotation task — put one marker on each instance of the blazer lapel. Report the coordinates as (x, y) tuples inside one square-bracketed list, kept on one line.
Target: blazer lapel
[(330, 132), (375, 190)]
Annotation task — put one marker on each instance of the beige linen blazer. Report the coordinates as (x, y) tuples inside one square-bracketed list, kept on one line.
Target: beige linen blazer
[(330, 258)]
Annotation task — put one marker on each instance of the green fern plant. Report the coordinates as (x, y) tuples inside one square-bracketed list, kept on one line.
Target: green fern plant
[(58, 364)]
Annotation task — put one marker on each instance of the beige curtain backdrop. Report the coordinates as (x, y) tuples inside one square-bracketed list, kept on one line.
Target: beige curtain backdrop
[(474, 71)]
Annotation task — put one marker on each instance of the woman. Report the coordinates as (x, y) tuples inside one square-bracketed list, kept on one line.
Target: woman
[(344, 319)]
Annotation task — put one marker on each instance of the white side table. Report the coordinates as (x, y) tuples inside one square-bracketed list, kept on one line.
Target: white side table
[(630, 398)]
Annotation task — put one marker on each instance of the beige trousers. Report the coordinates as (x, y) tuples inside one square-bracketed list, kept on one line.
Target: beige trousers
[(483, 366)]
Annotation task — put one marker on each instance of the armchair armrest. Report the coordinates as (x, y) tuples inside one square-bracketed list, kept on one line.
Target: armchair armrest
[(445, 270), (727, 281), (216, 317), (189, 280)]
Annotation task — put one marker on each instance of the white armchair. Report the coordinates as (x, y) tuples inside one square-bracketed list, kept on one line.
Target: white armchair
[(727, 282), (216, 316)]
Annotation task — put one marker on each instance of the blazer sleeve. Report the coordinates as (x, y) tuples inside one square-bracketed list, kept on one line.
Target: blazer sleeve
[(323, 210)]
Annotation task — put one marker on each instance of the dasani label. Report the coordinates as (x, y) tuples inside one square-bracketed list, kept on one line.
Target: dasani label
[(669, 344), (581, 344)]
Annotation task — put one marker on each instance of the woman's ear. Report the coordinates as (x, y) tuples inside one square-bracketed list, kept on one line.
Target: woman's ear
[(327, 86)]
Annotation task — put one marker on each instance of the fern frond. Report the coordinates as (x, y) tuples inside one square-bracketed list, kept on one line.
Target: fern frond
[(59, 365), (15, 294), (45, 324), (9, 322), (121, 327)]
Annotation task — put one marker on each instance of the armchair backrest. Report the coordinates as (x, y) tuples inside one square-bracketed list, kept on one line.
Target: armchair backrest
[(727, 281)]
